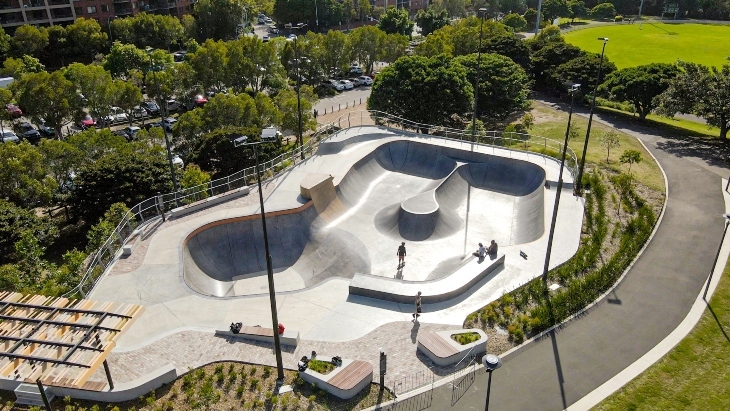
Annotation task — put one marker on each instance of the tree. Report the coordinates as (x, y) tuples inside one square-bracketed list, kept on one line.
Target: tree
[(125, 57), (622, 183), (6, 96), (396, 21), (431, 20), (15, 220), (582, 70), (455, 8), (425, 90), (95, 84), (530, 16), (394, 46), (509, 46), (61, 159), (4, 43), (207, 63), (504, 86), (16, 68), (553, 9), (58, 44), (363, 8), (218, 19), (190, 26), (335, 52), (630, 157), (216, 154), (702, 91), (252, 64), (86, 37), (513, 6), (127, 176), (149, 30), (195, 177), (286, 101), (609, 139), (516, 21), (577, 10), (549, 57), (126, 96), (365, 45), (603, 11), (29, 40), (51, 97), (348, 11), (23, 177), (640, 85)]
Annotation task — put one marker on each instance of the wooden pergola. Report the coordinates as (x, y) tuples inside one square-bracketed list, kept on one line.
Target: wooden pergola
[(59, 342)]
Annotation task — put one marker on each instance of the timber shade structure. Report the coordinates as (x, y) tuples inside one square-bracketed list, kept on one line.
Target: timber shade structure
[(58, 341)]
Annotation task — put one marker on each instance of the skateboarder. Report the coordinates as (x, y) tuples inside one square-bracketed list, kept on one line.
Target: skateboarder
[(418, 307), (401, 254)]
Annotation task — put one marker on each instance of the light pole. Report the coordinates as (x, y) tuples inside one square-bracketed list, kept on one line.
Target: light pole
[(300, 138), (481, 14), (573, 89), (267, 136), (491, 362), (539, 11), (163, 106), (108, 25), (316, 15), (578, 187), (709, 279)]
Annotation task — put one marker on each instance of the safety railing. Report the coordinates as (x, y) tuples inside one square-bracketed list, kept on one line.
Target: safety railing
[(150, 209)]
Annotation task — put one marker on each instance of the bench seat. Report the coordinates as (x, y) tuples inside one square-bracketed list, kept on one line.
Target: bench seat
[(343, 382), (440, 348), (351, 375), (437, 345), (290, 337)]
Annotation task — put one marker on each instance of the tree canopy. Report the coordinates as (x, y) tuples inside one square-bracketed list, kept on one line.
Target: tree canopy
[(431, 20), (640, 85), (396, 21)]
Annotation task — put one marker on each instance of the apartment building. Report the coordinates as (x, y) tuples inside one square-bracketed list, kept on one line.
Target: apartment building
[(14, 13), (411, 5)]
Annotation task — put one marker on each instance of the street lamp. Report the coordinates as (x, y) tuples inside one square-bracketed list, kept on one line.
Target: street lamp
[(108, 25), (481, 14), (577, 188), (300, 138), (491, 362), (707, 287), (539, 11), (268, 135), (163, 106), (573, 89)]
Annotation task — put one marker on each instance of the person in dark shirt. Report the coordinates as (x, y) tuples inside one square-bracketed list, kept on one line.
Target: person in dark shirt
[(401, 254), (492, 250)]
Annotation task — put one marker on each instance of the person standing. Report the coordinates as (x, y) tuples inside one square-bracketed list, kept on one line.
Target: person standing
[(418, 307), (401, 254)]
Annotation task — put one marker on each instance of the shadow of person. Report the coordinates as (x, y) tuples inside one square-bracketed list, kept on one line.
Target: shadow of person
[(414, 331), (399, 273)]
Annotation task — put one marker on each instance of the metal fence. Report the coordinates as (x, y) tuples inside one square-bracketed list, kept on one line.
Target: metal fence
[(149, 210)]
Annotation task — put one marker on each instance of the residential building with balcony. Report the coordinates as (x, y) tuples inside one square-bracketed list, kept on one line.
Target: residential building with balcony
[(14, 13), (411, 5)]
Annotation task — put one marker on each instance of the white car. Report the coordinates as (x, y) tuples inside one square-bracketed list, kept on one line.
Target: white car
[(356, 70), (346, 84), (169, 123), (333, 84), (172, 105), (8, 136), (365, 81), (116, 115)]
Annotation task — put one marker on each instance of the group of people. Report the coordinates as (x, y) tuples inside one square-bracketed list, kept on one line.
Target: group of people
[(482, 252)]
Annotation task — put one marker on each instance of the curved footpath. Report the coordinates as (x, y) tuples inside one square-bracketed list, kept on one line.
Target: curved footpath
[(650, 302)]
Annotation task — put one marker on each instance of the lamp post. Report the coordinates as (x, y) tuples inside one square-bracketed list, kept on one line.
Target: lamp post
[(578, 187), (539, 11), (573, 89), (300, 138), (491, 362), (108, 25), (267, 136), (164, 132), (709, 279), (481, 14)]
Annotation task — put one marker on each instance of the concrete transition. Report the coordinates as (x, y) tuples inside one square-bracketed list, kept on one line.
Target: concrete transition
[(402, 190)]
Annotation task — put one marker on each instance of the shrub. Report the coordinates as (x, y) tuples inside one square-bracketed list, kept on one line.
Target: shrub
[(603, 11), (219, 369), (267, 372), (254, 383), (618, 18), (465, 338), (240, 390)]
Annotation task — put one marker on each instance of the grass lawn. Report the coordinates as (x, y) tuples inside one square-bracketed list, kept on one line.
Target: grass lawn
[(695, 375), (673, 125), (657, 43), (646, 172)]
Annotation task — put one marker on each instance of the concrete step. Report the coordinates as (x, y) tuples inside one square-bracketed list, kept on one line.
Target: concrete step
[(28, 394)]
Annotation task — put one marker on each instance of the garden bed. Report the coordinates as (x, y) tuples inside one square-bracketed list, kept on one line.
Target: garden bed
[(322, 367), (465, 338)]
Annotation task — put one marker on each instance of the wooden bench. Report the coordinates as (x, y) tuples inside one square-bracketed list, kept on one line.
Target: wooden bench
[(290, 337), (436, 344), (351, 375), (260, 331)]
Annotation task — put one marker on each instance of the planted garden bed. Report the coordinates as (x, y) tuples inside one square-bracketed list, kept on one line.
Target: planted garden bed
[(322, 367), (465, 338)]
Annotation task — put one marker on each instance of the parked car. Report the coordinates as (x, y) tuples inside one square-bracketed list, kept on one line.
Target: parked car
[(179, 56), (87, 122), (346, 84), (356, 70), (169, 123), (172, 105), (152, 124), (44, 129), (8, 136), (116, 115), (365, 80), (265, 39), (29, 132), (273, 30), (139, 112), (151, 107), (333, 84), (130, 132), (355, 82), (200, 100), (262, 19), (14, 110)]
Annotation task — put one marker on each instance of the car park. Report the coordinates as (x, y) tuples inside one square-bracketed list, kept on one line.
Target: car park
[(356, 70), (333, 84), (87, 122), (151, 107), (169, 123), (29, 132), (172, 105), (116, 115), (355, 82), (8, 136), (152, 124), (130, 132), (365, 81), (139, 112), (346, 84), (14, 111)]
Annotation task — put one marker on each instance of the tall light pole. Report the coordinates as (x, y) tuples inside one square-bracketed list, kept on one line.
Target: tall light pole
[(491, 362), (539, 12), (709, 279), (573, 89), (577, 188), (316, 15), (481, 14), (300, 138), (163, 108), (267, 136), (109, 26)]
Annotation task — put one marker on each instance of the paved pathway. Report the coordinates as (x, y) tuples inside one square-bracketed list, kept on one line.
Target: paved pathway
[(645, 307)]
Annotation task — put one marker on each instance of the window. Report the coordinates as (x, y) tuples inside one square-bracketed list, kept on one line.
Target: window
[(134, 5), (91, 9), (104, 7)]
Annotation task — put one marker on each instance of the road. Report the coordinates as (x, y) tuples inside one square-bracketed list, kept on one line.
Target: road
[(644, 308)]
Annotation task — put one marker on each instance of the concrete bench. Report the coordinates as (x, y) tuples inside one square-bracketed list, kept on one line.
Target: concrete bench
[(435, 291), (210, 201), (440, 348), (343, 382), (290, 337)]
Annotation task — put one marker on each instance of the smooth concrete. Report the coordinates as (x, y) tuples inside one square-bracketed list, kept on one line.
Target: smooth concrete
[(289, 337), (209, 202)]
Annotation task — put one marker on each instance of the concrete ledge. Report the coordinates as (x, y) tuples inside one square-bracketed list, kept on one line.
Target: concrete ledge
[(210, 201), (290, 337), (475, 348), (322, 381), (435, 291)]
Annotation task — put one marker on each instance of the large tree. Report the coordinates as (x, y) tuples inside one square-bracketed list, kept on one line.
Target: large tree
[(548, 57), (208, 63), (425, 90), (86, 37), (640, 85), (14, 221), (51, 97), (125, 57), (503, 86), (148, 30), (23, 177), (552, 9), (703, 91), (95, 84), (218, 19), (396, 21), (584, 71), (252, 63), (29, 40), (365, 45), (431, 20)]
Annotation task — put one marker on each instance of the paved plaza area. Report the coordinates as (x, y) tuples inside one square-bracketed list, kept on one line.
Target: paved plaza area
[(177, 326)]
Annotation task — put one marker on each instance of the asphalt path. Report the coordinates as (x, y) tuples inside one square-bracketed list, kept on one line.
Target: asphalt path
[(643, 309)]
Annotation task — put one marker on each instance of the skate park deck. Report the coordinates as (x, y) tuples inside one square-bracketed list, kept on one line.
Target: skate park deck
[(323, 309)]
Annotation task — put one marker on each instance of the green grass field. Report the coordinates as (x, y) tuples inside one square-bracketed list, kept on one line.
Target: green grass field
[(657, 43)]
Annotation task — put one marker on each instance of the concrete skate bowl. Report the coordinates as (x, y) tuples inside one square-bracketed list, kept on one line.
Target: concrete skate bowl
[(218, 255), (444, 178)]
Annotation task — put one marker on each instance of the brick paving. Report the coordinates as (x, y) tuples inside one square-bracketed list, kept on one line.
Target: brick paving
[(191, 349)]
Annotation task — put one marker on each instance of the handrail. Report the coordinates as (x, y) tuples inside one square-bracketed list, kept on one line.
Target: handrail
[(149, 210)]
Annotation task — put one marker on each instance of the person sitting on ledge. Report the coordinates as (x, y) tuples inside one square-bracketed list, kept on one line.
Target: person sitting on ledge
[(492, 250), (481, 252)]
